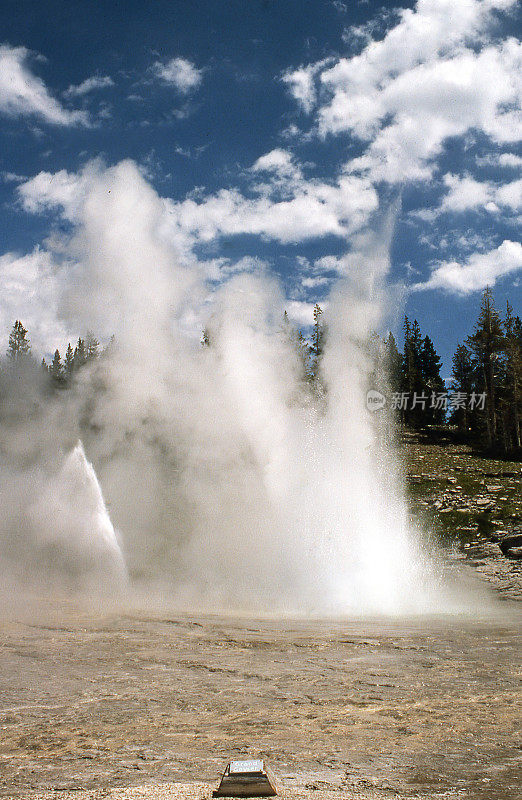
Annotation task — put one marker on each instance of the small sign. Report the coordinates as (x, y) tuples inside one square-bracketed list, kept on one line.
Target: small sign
[(245, 779)]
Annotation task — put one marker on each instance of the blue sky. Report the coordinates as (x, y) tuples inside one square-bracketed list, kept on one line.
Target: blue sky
[(276, 133)]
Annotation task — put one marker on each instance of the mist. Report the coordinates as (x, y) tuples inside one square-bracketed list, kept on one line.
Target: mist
[(207, 477)]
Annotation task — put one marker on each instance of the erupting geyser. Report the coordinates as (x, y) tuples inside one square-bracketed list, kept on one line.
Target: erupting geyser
[(73, 531), (233, 484)]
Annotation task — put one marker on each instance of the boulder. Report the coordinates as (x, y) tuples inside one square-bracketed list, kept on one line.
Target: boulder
[(511, 544)]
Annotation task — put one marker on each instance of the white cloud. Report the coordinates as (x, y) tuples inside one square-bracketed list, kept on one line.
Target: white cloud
[(12, 177), (433, 75), (29, 292), (278, 161), (430, 103), (220, 269), (478, 271), (358, 36), (510, 195), (180, 73), (24, 94), (331, 264), (300, 312), (89, 85), (317, 275), (467, 194), (63, 190), (314, 209), (314, 282), (291, 209), (300, 83), (508, 160)]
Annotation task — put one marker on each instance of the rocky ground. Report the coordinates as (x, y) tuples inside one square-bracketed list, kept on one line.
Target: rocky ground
[(471, 502), (127, 704)]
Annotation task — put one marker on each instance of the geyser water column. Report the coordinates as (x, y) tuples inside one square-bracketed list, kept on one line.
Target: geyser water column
[(374, 560), (333, 528), (73, 533)]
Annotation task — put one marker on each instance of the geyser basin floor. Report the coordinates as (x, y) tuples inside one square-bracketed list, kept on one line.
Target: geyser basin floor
[(420, 706)]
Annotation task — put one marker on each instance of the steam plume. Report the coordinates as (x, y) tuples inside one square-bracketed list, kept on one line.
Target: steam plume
[(229, 485)]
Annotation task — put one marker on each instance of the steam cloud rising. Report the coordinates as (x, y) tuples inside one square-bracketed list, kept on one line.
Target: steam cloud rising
[(227, 486)]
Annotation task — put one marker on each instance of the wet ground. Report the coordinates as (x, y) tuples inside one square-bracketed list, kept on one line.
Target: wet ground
[(368, 708), (94, 700)]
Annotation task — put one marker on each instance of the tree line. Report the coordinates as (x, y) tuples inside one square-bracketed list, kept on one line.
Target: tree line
[(59, 372), (490, 362), (483, 398), (482, 401)]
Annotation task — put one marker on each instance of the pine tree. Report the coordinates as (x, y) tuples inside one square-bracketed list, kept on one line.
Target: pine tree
[(430, 364), (486, 344), (19, 345), (69, 363), (432, 384), (92, 346), (318, 333), (80, 357), (463, 381), (416, 343), (412, 380), (393, 361), (513, 375), (299, 344), (303, 350), (411, 358), (56, 369), (316, 348)]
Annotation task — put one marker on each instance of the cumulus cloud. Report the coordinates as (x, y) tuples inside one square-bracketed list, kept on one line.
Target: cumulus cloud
[(314, 282), (89, 85), (29, 288), (278, 161), (24, 94), (313, 210), (423, 82), (477, 271), (180, 73), (468, 194), (301, 313), (336, 264), (220, 269), (465, 193), (288, 209), (510, 195), (318, 276), (63, 190), (508, 160), (292, 210), (428, 104), (300, 83)]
